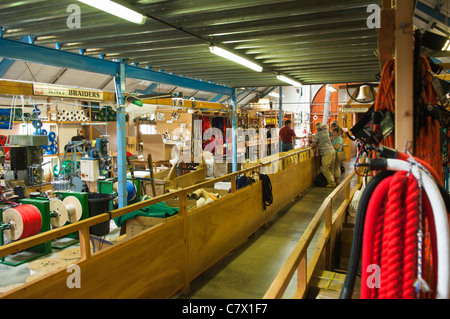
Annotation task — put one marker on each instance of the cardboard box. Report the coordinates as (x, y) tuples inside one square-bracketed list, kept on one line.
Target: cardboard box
[(153, 144)]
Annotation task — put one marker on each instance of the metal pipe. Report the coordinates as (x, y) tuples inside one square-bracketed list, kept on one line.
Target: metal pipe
[(234, 129), (120, 79)]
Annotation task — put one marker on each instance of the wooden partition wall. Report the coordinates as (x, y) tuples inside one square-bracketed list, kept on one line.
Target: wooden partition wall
[(163, 260), (297, 262)]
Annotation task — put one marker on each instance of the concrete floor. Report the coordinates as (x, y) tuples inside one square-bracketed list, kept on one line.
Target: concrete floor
[(247, 272)]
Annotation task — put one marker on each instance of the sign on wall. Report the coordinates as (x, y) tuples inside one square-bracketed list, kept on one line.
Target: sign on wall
[(63, 91)]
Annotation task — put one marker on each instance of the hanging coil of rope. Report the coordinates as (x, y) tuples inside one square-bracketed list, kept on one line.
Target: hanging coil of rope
[(401, 229)]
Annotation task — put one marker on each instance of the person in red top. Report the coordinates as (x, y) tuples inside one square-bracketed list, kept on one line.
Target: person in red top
[(286, 136)]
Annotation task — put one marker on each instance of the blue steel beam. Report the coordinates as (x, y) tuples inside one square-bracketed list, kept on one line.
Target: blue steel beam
[(268, 91), (431, 12), (38, 54), (216, 98), (5, 65), (150, 88)]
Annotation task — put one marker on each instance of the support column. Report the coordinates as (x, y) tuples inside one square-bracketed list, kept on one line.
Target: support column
[(280, 113), (404, 75), (326, 105), (120, 78), (234, 129), (280, 107)]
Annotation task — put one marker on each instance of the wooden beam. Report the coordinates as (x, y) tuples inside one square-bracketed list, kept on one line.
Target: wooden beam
[(386, 36), (445, 77), (404, 75), (445, 66)]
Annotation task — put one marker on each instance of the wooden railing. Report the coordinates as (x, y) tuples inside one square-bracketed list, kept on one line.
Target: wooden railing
[(203, 235), (297, 260)]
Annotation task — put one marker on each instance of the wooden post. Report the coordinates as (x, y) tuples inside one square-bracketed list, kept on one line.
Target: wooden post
[(302, 276), (233, 183), (328, 230), (182, 206), (85, 245), (404, 75)]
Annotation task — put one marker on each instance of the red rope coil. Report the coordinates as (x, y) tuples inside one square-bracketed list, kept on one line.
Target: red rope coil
[(390, 239)]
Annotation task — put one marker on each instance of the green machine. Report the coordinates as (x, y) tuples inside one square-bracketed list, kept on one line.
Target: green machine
[(33, 252), (108, 186), (68, 207)]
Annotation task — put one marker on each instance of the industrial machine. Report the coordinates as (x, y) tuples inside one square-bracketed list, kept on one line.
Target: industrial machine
[(22, 158), (97, 163), (30, 216)]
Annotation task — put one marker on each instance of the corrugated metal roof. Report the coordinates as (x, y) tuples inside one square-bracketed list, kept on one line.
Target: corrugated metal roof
[(312, 41)]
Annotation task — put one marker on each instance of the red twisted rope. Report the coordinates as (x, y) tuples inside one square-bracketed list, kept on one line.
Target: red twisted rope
[(411, 227), (394, 227), (390, 238)]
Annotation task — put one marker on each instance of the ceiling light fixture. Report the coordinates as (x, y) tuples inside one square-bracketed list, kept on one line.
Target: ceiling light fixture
[(235, 58), (117, 10), (288, 80), (446, 46)]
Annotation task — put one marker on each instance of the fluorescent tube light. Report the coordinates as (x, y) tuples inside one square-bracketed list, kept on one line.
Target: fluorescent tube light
[(235, 58), (117, 10), (287, 80), (446, 46)]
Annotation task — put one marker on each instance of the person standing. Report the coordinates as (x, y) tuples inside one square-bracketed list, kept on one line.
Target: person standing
[(322, 141), (287, 135)]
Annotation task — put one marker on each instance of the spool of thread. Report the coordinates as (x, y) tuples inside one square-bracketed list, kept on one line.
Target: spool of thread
[(131, 191), (51, 136), (3, 140), (26, 221), (74, 208), (37, 124)]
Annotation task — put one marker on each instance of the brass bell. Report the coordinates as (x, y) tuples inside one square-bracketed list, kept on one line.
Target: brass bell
[(365, 94)]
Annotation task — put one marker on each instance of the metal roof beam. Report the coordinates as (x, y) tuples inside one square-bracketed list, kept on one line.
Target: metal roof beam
[(431, 12), (5, 65), (38, 54)]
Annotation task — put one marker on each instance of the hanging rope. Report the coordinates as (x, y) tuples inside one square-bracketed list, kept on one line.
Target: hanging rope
[(427, 140), (385, 99)]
